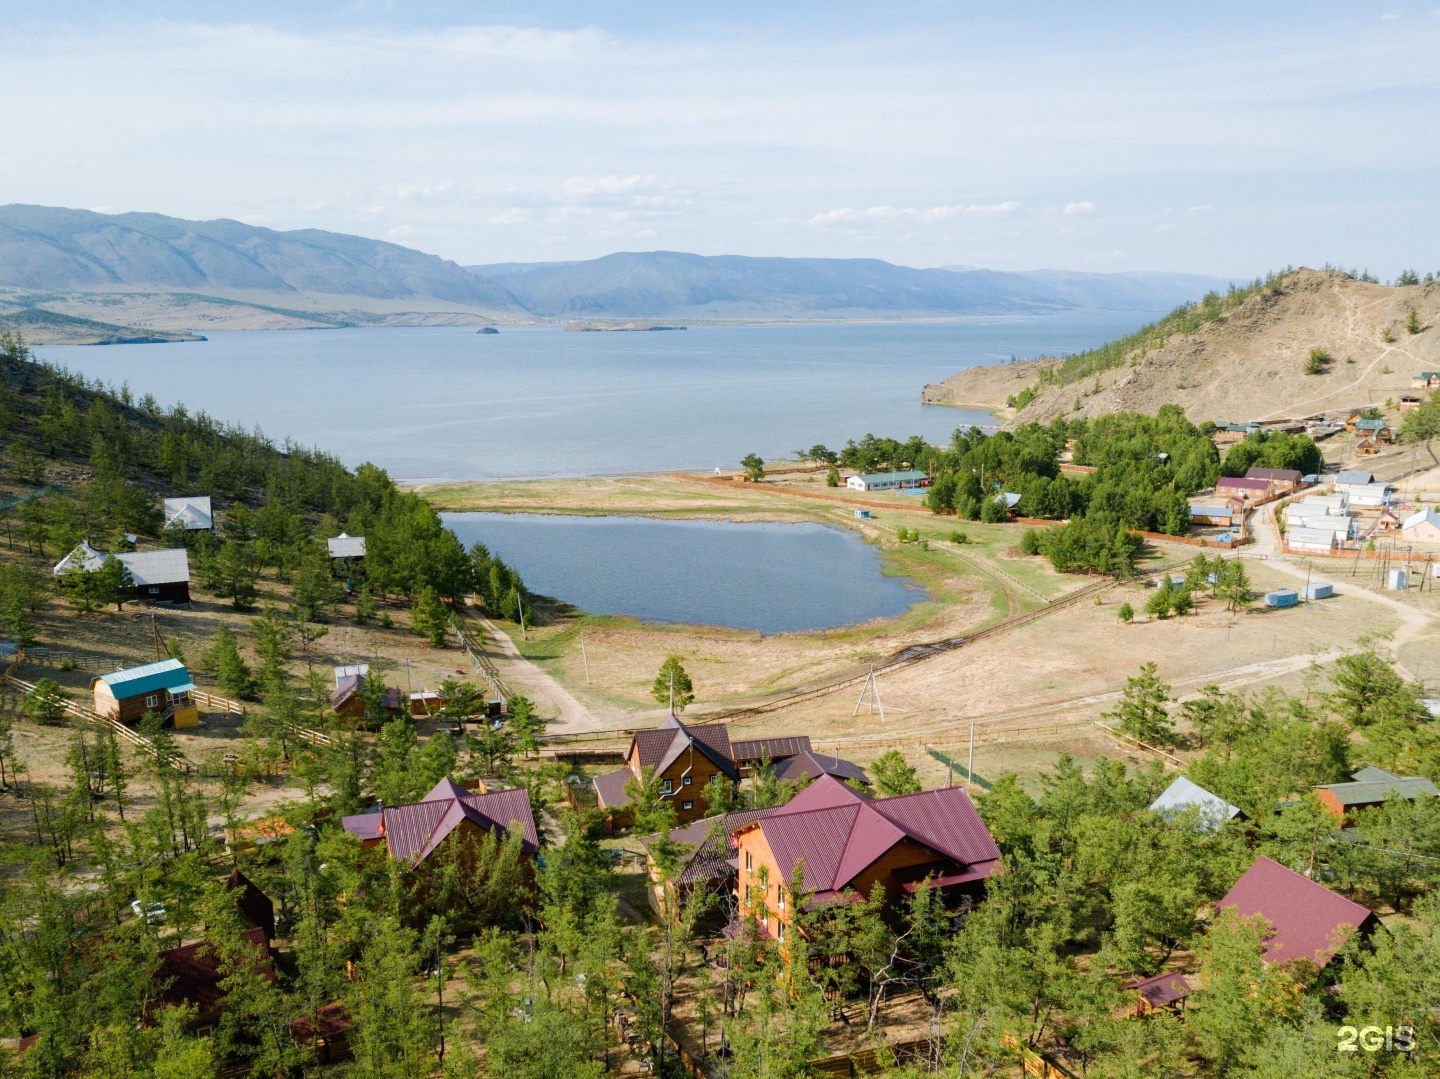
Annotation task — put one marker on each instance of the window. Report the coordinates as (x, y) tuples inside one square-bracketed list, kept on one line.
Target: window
[(152, 700), (154, 590), (665, 786), (686, 781), (749, 862), (688, 805), (779, 930), (780, 898)]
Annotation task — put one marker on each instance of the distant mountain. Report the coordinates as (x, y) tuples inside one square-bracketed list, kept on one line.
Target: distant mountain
[(59, 250), (668, 284)]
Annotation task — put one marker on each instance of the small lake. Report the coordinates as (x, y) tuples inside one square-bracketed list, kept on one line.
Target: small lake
[(774, 578), (536, 401)]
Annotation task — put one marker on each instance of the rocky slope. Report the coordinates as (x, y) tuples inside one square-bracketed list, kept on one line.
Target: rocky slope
[(1249, 363)]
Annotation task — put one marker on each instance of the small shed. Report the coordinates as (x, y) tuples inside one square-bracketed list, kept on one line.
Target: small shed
[(1184, 796), (190, 513), (346, 546), (1409, 403), (1395, 580), (162, 687), (863, 515), (1282, 597), (1160, 992)]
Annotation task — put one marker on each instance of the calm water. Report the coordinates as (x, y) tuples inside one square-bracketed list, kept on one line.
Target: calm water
[(770, 577), (448, 403)]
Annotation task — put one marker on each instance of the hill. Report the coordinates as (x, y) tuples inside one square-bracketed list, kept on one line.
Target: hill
[(1243, 356), (92, 259), (670, 284), (37, 324)]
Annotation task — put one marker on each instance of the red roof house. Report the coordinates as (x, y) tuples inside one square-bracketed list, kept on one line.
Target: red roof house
[(413, 832), (347, 702), (254, 904), (847, 847), (1241, 487), (1307, 919), (192, 973), (1161, 991)]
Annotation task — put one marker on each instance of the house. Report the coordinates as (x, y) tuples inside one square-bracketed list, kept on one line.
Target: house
[(1370, 494), (1240, 487), (1422, 526), (682, 758), (162, 687), (1343, 525), (1426, 380), (1409, 403), (1353, 478), (1183, 796), (346, 546), (191, 513), (1388, 521), (707, 861), (1218, 513), (1312, 540), (347, 699), (1367, 447), (1377, 430), (844, 850), (426, 703), (255, 906), (448, 820), (1335, 505), (192, 976), (1279, 479), (810, 766), (160, 576), (1162, 991), (1371, 787), (888, 481), (1308, 922)]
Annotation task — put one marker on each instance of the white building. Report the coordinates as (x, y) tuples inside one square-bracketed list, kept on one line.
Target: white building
[(888, 481), (1422, 526), (1313, 540)]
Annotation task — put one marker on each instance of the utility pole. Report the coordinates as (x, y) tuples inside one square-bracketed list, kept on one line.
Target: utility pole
[(672, 694), (970, 768), (521, 604), (584, 657)]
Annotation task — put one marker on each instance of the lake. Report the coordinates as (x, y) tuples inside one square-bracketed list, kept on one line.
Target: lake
[(448, 403), (774, 578)]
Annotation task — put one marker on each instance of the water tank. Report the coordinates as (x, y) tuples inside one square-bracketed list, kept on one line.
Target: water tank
[(1395, 579), (1319, 591), (1282, 597)]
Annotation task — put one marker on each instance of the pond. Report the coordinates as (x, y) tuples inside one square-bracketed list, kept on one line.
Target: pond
[(775, 578)]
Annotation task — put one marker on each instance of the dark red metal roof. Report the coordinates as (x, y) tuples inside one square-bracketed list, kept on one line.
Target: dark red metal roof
[(811, 765), (331, 1023), (610, 787), (412, 832), (1162, 989), (259, 911), (192, 973), (777, 749), (1309, 920), (1274, 474)]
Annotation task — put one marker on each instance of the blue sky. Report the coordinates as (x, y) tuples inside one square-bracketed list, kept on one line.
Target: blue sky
[(1222, 138)]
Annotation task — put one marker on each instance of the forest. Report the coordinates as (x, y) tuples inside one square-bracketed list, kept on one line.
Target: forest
[(1142, 471)]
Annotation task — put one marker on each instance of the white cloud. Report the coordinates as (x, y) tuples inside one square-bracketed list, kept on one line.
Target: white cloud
[(646, 234), (1390, 16), (513, 216), (1203, 208), (1073, 209), (1161, 230), (547, 240), (848, 214)]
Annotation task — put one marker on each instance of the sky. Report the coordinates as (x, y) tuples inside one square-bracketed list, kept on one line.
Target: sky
[(1226, 138)]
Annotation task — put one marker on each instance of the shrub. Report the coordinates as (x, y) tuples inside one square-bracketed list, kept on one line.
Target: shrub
[(961, 537), (1412, 324), (1126, 613), (1318, 363)]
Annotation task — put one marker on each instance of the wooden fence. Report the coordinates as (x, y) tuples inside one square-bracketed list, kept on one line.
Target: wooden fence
[(481, 661), (176, 760)]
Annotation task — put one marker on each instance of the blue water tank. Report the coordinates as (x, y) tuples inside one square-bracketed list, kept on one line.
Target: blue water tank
[(1282, 597), (1319, 591)]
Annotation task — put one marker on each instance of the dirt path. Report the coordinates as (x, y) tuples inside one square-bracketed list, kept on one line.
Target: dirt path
[(521, 674)]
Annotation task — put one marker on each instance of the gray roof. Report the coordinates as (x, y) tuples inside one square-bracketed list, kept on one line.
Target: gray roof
[(908, 474), (1348, 477), (168, 566), (1182, 795), (191, 512), (1372, 791), (346, 546)]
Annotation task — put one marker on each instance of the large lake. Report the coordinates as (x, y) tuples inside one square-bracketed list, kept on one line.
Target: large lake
[(448, 403), (769, 577)]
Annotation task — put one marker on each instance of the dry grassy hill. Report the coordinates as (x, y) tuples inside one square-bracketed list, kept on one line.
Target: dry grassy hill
[(1248, 363)]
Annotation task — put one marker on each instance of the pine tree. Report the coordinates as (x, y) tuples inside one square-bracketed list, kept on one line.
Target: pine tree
[(672, 685), (112, 583), (892, 775), (1142, 713), (231, 671)]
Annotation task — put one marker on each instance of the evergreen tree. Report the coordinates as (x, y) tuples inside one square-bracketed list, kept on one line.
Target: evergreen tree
[(672, 686), (892, 775), (1142, 713), (231, 671), (112, 583)]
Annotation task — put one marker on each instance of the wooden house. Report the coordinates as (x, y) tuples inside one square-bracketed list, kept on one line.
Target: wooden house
[(162, 687), (160, 576), (683, 760), (1240, 487), (1409, 403), (450, 820), (192, 975), (254, 905), (348, 547), (347, 701), (1308, 922), (1279, 479), (1375, 429), (1371, 787), (848, 847), (1426, 380)]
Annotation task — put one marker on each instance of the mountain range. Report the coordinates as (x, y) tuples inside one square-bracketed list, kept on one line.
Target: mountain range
[(674, 285), (167, 274)]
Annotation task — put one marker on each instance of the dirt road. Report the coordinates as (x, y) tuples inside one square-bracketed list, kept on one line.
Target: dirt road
[(570, 715)]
